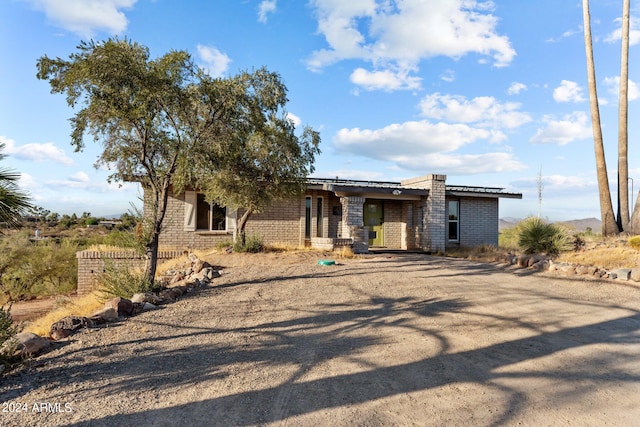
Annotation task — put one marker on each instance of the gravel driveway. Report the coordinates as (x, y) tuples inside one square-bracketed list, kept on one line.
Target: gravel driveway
[(399, 339)]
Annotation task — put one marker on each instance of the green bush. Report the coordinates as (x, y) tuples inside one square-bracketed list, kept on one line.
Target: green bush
[(123, 282), (8, 329), (537, 236), (35, 268), (251, 244), (634, 242)]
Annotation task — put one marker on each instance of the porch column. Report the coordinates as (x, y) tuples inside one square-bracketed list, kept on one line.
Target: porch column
[(434, 221), (353, 223)]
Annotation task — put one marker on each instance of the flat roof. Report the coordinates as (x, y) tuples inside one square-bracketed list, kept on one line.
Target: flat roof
[(365, 186)]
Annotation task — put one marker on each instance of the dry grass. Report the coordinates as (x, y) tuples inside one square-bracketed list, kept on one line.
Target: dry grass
[(78, 306), (607, 256)]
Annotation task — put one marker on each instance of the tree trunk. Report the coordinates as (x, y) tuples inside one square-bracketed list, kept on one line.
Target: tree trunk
[(159, 209), (241, 238), (634, 225), (609, 225), (623, 112), (151, 255)]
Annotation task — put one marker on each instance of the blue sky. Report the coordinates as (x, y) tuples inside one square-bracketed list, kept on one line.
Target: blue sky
[(489, 93)]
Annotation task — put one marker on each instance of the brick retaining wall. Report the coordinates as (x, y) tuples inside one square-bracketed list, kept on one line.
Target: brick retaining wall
[(92, 263)]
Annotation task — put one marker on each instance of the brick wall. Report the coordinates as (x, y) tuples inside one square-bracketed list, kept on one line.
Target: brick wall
[(92, 263), (478, 221)]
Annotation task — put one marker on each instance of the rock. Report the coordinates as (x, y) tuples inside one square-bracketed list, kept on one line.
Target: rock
[(146, 297), (197, 266), (621, 273), (24, 344), (123, 306), (523, 261), (146, 306), (542, 265), (635, 274), (107, 314), (166, 296), (68, 326)]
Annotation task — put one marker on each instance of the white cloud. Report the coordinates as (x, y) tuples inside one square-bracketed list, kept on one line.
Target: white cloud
[(79, 177), (421, 145), (462, 164), (86, 17), (27, 181), (634, 32), (484, 111), (295, 119), (568, 91), (266, 7), (215, 62), (572, 127), (516, 88), (448, 76), (613, 83), (46, 152), (398, 35), (385, 80)]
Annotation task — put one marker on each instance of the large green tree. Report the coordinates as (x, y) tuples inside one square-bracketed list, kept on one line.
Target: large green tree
[(157, 119), (263, 159), (13, 201)]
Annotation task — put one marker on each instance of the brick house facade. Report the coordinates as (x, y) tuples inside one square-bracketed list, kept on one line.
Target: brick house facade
[(416, 214)]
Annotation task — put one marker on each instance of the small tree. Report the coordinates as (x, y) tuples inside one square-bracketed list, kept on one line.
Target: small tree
[(262, 160)]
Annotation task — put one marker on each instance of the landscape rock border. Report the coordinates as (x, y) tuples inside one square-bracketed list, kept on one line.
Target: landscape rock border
[(543, 263), (176, 282)]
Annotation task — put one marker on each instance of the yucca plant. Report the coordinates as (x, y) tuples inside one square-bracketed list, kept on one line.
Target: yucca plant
[(537, 236)]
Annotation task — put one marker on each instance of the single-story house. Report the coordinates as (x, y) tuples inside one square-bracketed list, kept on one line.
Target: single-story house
[(415, 214)]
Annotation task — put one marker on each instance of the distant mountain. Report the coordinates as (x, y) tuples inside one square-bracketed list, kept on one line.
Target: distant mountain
[(583, 224), (578, 225)]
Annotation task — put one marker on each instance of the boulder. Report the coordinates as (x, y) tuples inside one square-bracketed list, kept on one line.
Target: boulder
[(621, 273), (123, 306), (26, 344), (107, 314), (635, 274), (146, 297), (68, 326)]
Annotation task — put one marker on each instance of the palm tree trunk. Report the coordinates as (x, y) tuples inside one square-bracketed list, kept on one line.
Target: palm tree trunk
[(623, 112), (609, 225)]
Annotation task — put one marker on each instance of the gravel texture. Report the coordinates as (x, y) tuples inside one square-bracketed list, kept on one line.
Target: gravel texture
[(396, 339)]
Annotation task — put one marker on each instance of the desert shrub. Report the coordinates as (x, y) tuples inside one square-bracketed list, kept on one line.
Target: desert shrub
[(508, 239), (634, 242), (537, 236), (8, 329), (250, 244), (224, 244), (122, 281), (36, 268)]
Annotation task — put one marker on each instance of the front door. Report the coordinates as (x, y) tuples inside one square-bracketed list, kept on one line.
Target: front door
[(374, 220)]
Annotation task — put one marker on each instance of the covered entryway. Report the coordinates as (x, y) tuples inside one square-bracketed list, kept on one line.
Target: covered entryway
[(374, 220)]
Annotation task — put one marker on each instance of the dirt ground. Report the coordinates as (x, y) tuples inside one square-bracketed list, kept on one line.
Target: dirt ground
[(388, 339)]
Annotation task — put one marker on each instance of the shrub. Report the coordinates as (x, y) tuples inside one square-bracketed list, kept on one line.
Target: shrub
[(634, 242), (8, 329), (251, 244), (123, 282), (537, 236)]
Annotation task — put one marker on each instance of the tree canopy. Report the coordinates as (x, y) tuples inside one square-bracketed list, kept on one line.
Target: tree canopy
[(165, 123)]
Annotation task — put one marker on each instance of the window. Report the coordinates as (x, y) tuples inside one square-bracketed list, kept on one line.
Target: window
[(319, 218), (454, 223), (307, 217), (210, 216)]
